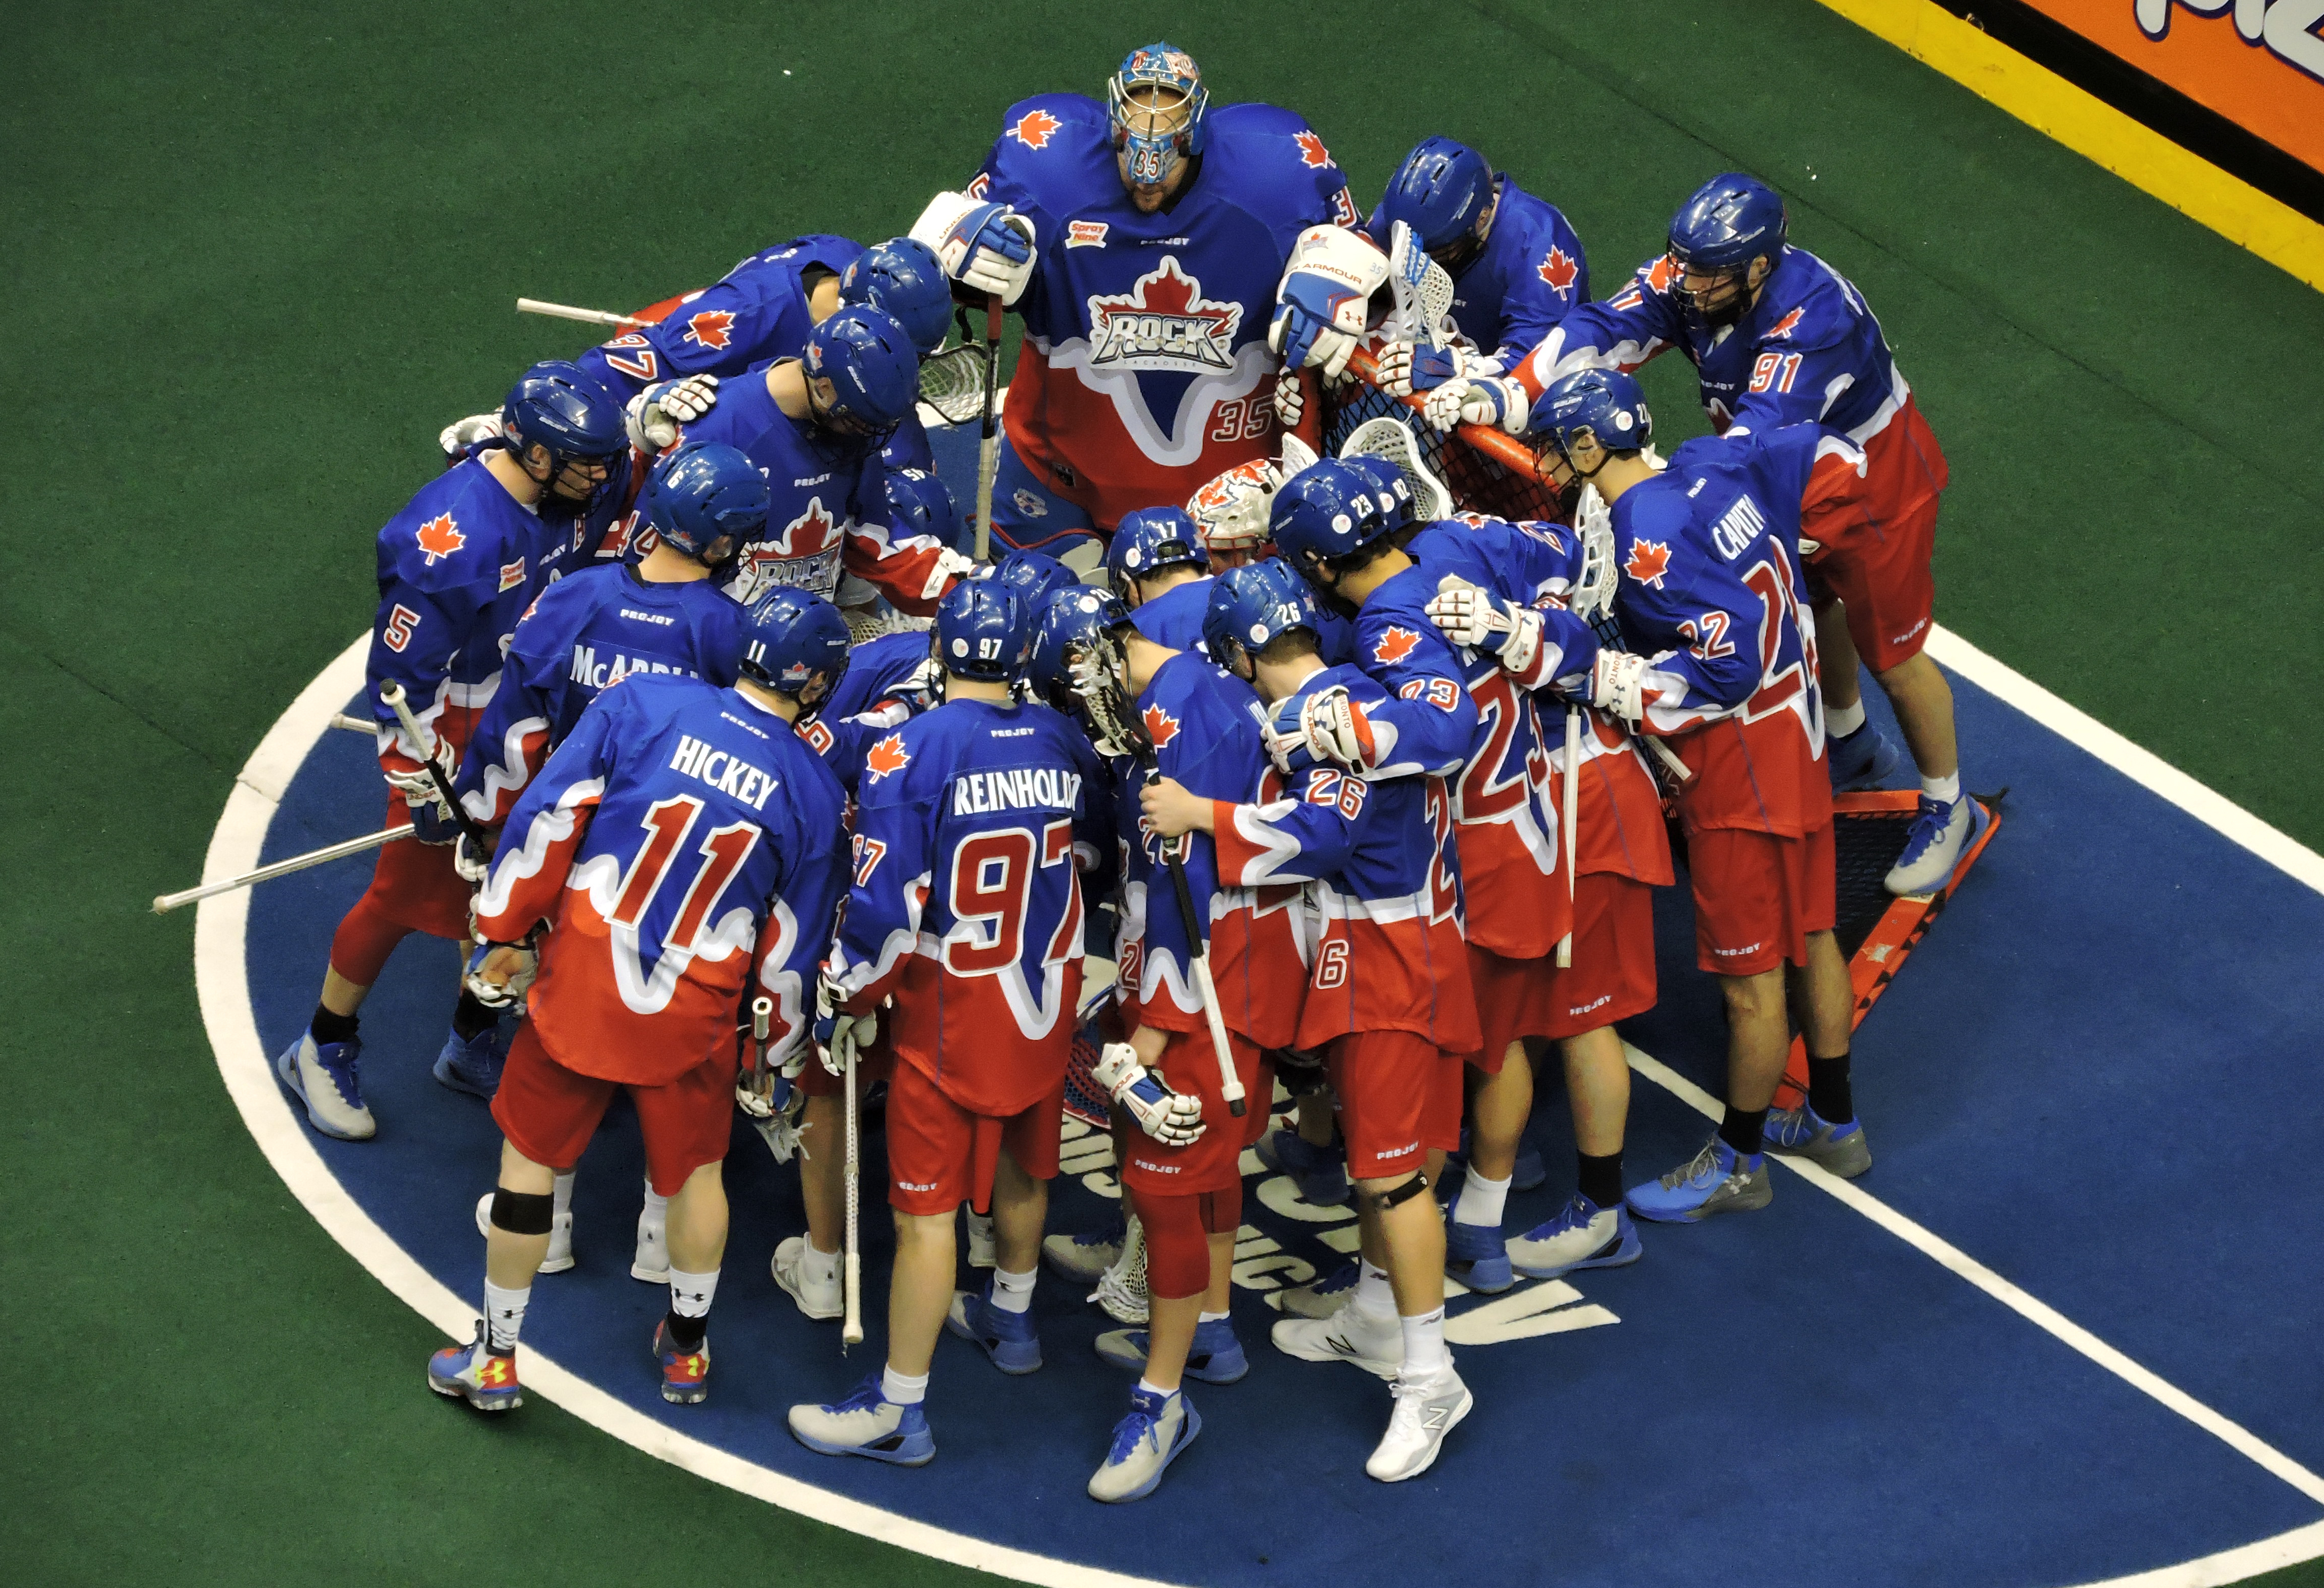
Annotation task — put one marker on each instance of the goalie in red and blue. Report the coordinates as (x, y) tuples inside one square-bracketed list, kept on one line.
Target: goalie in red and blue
[(974, 823), (1141, 241), (1719, 665), (672, 857)]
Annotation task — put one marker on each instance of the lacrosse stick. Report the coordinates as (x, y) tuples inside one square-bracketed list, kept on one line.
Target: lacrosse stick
[(953, 382), (392, 693), (988, 445), (595, 316), (1098, 689), (1391, 438), (163, 903), (1572, 818), (1420, 287), (763, 1019), (852, 1332), (353, 725)]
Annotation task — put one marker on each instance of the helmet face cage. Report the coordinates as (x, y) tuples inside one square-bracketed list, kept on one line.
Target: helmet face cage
[(1155, 103)]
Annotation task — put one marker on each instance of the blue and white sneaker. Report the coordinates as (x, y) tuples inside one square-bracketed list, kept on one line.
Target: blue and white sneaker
[(1321, 1173), (322, 1075), (1215, 1357), (1083, 1258), (1940, 835), (867, 1424), (472, 1373), (472, 1067), (1863, 760), (1007, 1337), (1583, 1235), (1838, 1149), (1715, 1180), (1473, 1253), (1145, 1443), (1319, 1299)]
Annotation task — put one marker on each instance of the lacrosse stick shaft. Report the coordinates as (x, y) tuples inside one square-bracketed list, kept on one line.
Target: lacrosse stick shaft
[(763, 1019), (353, 725), (1678, 769), (392, 693), (164, 903), (852, 1332), (595, 317), (988, 445), (1230, 1084), (1573, 826)]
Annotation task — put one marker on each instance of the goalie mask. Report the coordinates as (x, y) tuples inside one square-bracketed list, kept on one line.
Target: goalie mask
[(1155, 102), (1230, 513), (1731, 220)]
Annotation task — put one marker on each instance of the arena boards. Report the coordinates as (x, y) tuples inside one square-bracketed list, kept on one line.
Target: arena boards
[(2060, 1334)]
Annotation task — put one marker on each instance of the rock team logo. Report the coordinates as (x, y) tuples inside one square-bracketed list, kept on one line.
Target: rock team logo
[(1163, 322), (1035, 128), (439, 538), (713, 328), (804, 556), (1649, 561), (1559, 271)]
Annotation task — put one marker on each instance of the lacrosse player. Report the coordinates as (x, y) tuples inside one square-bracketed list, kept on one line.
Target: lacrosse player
[(1157, 566), (973, 823), (677, 845)]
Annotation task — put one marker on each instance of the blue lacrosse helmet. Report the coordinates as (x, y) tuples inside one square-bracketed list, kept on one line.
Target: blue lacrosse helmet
[(1034, 579), (1439, 192), (1154, 154), (1731, 220), (902, 276), (702, 492), (793, 640), (1252, 606), (919, 504), (983, 631), (873, 365), (1324, 512), (1073, 619), (1152, 539), (1607, 404), (1390, 489), (554, 405)]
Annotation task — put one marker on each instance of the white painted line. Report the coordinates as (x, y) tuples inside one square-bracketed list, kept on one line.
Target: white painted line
[(2039, 1313)]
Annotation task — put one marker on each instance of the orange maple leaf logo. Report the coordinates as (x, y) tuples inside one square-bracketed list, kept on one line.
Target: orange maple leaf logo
[(1161, 727), (1312, 151), (1559, 271), (1785, 325), (1649, 561), (440, 537), (887, 755), (1395, 645), (1661, 274), (713, 328), (1035, 128)]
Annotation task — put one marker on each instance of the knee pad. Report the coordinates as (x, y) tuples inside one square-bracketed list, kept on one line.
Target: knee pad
[(522, 1213), (1383, 1200), (1177, 1246)]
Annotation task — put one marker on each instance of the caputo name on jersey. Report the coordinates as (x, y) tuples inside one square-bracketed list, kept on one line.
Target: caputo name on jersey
[(727, 772), (1024, 788)]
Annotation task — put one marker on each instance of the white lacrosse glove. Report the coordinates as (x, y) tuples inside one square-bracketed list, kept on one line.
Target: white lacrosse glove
[(1498, 401), (922, 688), (461, 434), (1618, 684), (416, 786), (1290, 399), (1332, 727), (983, 245), (519, 964), (1405, 368), (654, 414), (1322, 302), (1475, 618), (840, 1036), (473, 864), (1171, 1118)]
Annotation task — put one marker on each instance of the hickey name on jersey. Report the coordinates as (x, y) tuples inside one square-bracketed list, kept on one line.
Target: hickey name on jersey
[(722, 770)]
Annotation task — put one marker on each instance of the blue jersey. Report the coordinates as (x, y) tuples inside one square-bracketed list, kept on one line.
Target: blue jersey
[(682, 844), (758, 312), (1528, 275), (874, 668), (1174, 618), (581, 636), (1426, 724)]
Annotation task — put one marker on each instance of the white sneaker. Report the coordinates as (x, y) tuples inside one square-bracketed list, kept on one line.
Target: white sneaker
[(981, 1247), (1348, 1335), (652, 1263), (560, 1235), (323, 1078), (817, 1293), (1425, 1411)]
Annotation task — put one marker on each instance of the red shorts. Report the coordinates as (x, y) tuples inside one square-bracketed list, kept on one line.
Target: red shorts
[(1757, 897), (1215, 1162), (1398, 1098), (413, 885), (1516, 997), (1612, 976), (1882, 572), (873, 1065), (549, 1113), (940, 1155)]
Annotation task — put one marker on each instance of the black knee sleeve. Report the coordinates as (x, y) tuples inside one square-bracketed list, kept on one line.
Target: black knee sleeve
[(522, 1213), (1411, 1189)]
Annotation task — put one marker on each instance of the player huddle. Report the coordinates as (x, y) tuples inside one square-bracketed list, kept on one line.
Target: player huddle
[(1344, 789)]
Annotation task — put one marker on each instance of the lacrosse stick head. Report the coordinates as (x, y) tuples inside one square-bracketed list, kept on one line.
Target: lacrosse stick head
[(1420, 290), (953, 383), (1079, 667), (1391, 439)]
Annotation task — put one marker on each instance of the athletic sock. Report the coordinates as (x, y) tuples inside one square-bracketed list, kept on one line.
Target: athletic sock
[(903, 1389), (1153, 1388), (561, 1190), (689, 1307), (1374, 1297), (1013, 1292), (326, 1028), (1828, 1093), (1424, 1355), (1741, 1128), (1481, 1200), (656, 1208), (1944, 790), (817, 1264), (1209, 1318), (503, 1317), (1601, 1178), (470, 1019), (1840, 721)]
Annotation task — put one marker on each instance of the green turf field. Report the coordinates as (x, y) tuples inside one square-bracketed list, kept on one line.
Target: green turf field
[(264, 252)]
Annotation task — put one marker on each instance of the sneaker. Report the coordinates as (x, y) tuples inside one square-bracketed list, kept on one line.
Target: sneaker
[(1320, 1298), (1321, 1173), (1215, 1357), (1863, 760), (1084, 1258), (472, 1067), (813, 1285), (322, 1075), (1350, 1334), (652, 1263), (472, 1373), (560, 1235), (867, 1424), (1474, 1254), (1715, 1180), (1583, 1235), (1932, 848), (981, 1243), (1007, 1337), (685, 1374), (1145, 1443), (1838, 1149), (1425, 1411)]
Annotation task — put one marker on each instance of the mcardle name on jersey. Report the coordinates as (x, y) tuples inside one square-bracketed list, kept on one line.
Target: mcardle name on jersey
[(601, 675)]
